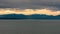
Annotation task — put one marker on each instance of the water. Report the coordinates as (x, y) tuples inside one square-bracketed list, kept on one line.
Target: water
[(30, 26)]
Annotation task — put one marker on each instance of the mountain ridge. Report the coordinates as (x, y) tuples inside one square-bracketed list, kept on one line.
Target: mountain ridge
[(34, 16)]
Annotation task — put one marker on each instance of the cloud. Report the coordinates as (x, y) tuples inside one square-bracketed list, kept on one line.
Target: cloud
[(29, 11), (31, 4)]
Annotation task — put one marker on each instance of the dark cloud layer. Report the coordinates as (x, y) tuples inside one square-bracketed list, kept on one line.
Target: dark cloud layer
[(30, 4)]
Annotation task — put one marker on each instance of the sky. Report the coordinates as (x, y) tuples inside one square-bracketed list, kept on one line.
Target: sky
[(29, 11), (30, 4), (49, 7)]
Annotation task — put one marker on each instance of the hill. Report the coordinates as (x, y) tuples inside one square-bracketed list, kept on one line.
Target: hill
[(34, 16)]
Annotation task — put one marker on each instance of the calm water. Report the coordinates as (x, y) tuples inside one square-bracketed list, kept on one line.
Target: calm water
[(29, 26)]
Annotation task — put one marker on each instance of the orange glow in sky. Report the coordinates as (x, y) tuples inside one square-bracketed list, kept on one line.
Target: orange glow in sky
[(30, 12)]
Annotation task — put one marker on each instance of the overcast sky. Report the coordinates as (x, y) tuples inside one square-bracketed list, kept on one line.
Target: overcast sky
[(30, 4)]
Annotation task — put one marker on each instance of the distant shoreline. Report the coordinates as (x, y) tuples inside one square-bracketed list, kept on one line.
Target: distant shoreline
[(26, 19)]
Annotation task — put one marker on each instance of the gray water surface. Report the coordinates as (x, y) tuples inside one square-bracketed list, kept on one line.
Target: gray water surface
[(29, 26)]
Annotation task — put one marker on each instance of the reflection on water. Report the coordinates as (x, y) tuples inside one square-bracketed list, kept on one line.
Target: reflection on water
[(29, 26)]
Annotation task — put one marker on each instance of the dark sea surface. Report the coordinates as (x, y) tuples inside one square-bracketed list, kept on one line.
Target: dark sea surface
[(29, 26)]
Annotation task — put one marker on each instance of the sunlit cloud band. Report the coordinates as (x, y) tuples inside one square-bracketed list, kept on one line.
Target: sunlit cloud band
[(29, 11)]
